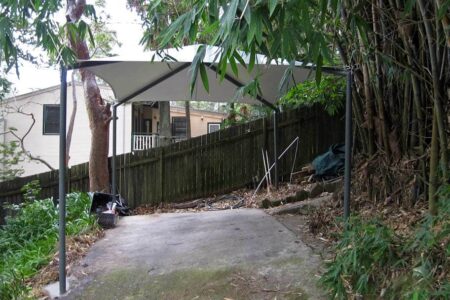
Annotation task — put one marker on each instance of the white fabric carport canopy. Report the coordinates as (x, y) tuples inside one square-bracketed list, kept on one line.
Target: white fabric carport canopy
[(165, 76), (150, 77)]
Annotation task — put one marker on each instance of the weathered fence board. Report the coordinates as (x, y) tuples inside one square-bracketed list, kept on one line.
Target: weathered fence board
[(210, 164)]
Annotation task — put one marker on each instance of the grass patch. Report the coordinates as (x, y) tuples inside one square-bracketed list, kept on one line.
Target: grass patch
[(29, 238)]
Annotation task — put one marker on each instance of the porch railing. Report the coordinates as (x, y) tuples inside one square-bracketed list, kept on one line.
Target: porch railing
[(143, 142), (148, 141)]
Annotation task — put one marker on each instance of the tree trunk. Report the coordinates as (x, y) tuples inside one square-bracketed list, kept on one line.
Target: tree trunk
[(434, 159), (369, 110), (99, 112), (188, 119), (438, 108), (72, 119), (164, 123)]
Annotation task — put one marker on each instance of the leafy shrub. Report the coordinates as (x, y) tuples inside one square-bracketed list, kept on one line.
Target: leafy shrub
[(330, 93), (28, 240), (364, 249), (373, 262), (31, 190), (243, 113), (10, 157)]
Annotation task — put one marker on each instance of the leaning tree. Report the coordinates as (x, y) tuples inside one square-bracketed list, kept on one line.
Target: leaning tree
[(34, 23)]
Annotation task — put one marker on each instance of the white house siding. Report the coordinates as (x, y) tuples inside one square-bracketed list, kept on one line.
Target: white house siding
[(199, 119), (47, 146)]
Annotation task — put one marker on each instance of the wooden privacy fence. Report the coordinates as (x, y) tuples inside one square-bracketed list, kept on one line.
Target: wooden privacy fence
[(210, 164)]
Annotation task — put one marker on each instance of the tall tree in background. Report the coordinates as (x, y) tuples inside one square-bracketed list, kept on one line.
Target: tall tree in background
[(399, 52), (99, 111), (33, 23)]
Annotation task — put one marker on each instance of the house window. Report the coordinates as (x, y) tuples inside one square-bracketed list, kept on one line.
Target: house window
[(51, 119), (213, 127), (179, 126)]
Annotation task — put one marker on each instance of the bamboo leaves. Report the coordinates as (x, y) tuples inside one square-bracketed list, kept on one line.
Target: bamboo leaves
[(195, 66), (272, 6)]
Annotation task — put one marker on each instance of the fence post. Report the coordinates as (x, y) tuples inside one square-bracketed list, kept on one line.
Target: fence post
[(275, 148), (264, 125)]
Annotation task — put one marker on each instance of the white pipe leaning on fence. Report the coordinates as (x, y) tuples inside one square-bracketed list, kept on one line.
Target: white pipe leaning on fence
[(296, 140)]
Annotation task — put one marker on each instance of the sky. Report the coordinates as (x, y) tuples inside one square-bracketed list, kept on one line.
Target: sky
[(129, 32)]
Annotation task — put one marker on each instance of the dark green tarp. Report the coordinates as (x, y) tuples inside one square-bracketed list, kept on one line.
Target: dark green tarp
[(331, 163)]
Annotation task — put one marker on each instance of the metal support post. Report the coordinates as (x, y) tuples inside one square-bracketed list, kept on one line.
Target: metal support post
[(62, 181), (114, 150), (348, 145)]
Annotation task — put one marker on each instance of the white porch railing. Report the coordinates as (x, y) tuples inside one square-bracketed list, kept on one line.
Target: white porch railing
[(148, 141), (143, 142)]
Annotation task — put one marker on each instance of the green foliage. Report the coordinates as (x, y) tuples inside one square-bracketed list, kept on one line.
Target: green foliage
[(10, 156), (364, 249), (372, 261), (242, 113), (5, 87), (29, 239), (31, 190), (29, 22), (292, 30), (330, 93)]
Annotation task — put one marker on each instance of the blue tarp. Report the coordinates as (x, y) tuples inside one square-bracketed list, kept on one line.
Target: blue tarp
[(331, 163)]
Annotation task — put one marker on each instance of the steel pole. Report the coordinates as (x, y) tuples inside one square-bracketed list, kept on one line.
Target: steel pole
[(348, 145), (114, 148), (62, 181)]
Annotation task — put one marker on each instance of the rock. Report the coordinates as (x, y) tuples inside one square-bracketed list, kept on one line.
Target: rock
[(316, 190), (303, 207), (267, 203), (332, 186), (301, 195)]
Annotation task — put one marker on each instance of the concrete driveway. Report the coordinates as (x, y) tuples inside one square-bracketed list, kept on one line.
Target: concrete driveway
[(231, 254)]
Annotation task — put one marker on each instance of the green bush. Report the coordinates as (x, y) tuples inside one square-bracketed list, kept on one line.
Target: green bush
[(330, 93), (364, 250), (373, 262), (28, 240)]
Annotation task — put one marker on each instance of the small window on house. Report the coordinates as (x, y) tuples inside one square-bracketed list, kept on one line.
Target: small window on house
[(179, 126), (51, 119), (213, 127)]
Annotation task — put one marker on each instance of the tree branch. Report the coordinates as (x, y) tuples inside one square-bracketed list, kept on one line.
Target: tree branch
[(22, 140)]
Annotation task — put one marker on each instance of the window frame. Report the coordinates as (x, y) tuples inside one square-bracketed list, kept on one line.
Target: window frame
[(213, 123), (173, 126), (44, 118)]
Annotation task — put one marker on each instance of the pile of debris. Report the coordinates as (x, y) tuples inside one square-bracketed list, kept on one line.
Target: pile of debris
[(108, 207), (228, 201), (318, 180)]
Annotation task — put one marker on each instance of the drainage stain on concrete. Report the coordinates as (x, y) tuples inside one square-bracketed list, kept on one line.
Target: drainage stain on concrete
[(221, 283), (199, 256)]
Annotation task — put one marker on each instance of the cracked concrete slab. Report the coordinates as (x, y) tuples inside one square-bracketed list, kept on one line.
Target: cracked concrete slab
[(236, 254)]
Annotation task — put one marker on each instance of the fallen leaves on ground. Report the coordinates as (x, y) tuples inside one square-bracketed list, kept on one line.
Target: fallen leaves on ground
[(76, 248)]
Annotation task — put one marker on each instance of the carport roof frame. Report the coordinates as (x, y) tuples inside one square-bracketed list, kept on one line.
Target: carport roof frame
[(94, 63)]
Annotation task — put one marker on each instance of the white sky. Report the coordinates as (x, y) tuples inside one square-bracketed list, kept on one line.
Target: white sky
[(129, 32)]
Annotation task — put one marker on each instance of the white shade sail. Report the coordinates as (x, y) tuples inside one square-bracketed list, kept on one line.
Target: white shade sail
[(165, 76)]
